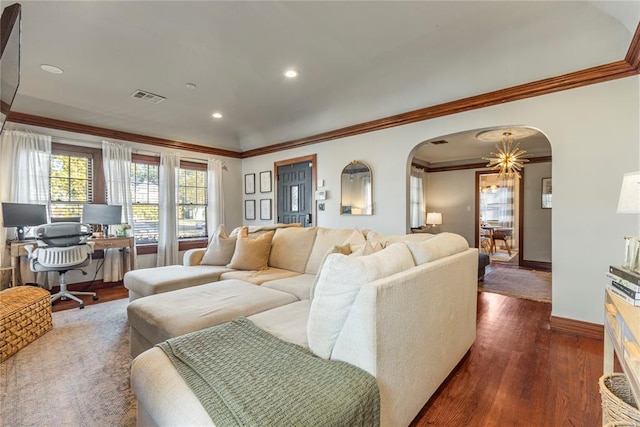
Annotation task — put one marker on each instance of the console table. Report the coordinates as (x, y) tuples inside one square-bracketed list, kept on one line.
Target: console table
[(622, 338), (125, 243)]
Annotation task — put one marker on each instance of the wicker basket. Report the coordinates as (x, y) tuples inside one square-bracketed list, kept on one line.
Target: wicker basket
[(25, 314), (619, 407)]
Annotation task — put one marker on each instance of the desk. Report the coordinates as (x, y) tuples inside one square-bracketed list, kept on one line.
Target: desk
[(126, 243)]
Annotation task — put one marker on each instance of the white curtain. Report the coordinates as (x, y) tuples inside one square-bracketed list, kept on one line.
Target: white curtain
[(168, 221), (116, 159), (24, 178), (416, 190), (215, 196)]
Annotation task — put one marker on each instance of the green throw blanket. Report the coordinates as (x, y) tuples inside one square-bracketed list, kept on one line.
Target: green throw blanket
[(244, 376)]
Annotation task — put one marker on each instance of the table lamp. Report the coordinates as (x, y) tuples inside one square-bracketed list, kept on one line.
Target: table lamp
[(629, 202), (434, 218)]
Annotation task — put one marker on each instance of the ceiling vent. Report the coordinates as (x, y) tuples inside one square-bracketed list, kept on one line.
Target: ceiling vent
[(439, 142), (148, 96)]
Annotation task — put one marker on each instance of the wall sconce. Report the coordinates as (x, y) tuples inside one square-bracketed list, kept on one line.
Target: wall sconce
[(434, 218)]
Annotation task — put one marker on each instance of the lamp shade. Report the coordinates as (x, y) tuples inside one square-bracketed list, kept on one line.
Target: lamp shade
[(434, 218), (629, 201)]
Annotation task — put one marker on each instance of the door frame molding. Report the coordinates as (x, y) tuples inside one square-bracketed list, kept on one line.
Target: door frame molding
[(519, 206), (312, 158)]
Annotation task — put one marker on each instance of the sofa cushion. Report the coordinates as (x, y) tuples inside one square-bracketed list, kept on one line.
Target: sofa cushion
[(298, 286), (220, 249), (150, 281), (290, 248), (258, 277), (288, 322), (163, 316), (259, 230), (326, 238), (338, 285), (439, 246), (251, 254), (336, 249)]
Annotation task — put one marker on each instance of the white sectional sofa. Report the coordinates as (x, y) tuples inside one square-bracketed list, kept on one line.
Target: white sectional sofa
[(406, 314)]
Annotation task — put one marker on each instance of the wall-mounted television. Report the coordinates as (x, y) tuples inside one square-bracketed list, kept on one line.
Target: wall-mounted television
[(10, 27)]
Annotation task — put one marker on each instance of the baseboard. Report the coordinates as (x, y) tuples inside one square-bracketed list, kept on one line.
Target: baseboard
[(88, 286), (536, 265), (577, 327)]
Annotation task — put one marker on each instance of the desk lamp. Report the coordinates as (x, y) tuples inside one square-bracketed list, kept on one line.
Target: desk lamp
[(434, 218)]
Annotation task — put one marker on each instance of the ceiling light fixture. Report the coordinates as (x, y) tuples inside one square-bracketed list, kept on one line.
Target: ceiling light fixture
[(291, 73), (508, 160), (217, 115), (190, 85), (51, 69)]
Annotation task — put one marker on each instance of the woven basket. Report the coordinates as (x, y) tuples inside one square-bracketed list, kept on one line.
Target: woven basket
[(619, 407), (25, 314)]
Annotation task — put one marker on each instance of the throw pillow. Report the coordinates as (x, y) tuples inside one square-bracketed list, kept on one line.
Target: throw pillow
[(439, 246), (251, 254), (356, 240), (220, 249), (291, 247), (340, 281), (337, 249)]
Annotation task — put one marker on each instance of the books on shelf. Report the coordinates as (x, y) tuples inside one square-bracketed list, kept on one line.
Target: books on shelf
[(625, 284)]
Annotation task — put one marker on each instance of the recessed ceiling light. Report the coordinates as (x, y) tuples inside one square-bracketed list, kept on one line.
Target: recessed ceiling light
[(51, 69), (291, 73), (190, 85), (217, 115)]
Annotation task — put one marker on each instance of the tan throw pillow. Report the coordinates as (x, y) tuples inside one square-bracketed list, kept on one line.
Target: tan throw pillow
[(439, 246), (290, 248), (339, 283), (251, 254), (356, 240), (336, 249), (220, 249)]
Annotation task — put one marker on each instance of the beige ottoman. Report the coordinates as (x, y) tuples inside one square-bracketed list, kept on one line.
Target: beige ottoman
[(151, 281), (157, 318), (25, 314)]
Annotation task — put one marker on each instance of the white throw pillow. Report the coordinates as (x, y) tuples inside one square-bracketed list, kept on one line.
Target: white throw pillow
[(340, 280), (439, 246), (220, 249)]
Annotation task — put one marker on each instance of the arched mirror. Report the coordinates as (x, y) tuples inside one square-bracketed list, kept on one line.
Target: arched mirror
[(356, 189)]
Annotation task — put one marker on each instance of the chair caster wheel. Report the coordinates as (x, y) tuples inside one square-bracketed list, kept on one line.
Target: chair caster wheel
[(81, 306), (95, 297)]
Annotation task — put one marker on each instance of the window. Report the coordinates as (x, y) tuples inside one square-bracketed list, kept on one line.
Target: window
[(71, 180), (192, 200), (145, 180)]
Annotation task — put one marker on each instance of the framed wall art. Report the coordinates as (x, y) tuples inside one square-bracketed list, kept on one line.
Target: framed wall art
[(546, 193), (265, 208), (265, 182), (249, 209), (250, 183)]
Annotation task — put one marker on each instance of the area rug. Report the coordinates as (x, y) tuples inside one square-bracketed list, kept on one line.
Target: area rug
[(77, 374), (526, 284)]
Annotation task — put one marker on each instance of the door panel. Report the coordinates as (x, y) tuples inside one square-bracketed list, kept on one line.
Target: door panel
[(294, 194)]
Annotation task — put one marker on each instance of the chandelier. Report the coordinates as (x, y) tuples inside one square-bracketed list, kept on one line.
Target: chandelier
[(509, 158)]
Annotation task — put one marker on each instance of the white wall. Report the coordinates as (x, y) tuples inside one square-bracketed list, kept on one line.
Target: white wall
[(536, 226), (594, 134)]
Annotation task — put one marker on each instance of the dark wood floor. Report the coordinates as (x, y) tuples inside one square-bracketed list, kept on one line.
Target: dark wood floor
[(104, 295), (519, 373)]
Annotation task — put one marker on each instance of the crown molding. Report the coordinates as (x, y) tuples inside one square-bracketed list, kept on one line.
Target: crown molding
[(28, 119)]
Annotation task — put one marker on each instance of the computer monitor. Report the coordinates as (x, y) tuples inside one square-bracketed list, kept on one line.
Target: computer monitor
[(22, 215), (101, 214)]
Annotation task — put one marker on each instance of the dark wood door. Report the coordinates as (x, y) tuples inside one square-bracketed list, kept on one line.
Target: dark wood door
[(295, 193)]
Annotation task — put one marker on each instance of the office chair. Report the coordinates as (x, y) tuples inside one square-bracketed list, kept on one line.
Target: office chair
[(62, 247)]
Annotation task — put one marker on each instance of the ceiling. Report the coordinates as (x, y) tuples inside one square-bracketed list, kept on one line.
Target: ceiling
[(358, 61)]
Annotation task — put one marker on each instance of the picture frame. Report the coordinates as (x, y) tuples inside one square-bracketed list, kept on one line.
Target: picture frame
[(250, 183), (265, 209), (547, 193), (249, 209), (265, 182)]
